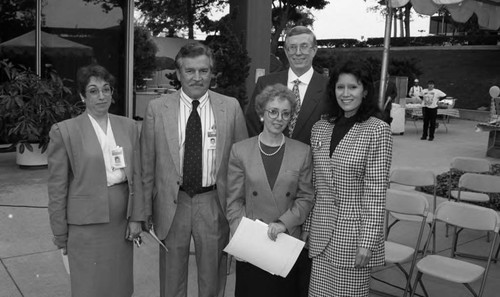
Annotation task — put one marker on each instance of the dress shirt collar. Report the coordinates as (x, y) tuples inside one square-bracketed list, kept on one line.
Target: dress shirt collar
[(186, 100), (304, 78)]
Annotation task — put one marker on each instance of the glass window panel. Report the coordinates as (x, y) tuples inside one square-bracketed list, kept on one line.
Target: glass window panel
[(17, 36), (80, 32)]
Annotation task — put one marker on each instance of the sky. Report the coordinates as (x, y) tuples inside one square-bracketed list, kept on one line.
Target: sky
[(350, 19)]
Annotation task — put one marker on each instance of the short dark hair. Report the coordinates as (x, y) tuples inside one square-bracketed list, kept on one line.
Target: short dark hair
[(297, 30), (84, 74), (361, 70), (274, 91), (193, 50), (430, 82)]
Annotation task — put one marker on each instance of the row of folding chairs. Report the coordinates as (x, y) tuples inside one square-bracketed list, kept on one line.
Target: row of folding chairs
[(409, 205)]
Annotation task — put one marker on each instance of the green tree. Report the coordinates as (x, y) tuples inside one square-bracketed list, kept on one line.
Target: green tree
[(172, 16), (144, 55), (16, 18), (289, 13)]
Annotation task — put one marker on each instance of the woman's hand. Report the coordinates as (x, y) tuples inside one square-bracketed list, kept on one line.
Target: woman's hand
[(305, 238), (134, 229), (275, 229), (363, 256)]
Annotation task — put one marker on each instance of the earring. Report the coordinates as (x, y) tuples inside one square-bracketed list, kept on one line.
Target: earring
[(261, 119)]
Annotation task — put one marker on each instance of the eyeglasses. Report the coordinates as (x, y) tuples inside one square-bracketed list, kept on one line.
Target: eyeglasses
[(273, 114), (304, 48), (94, 92)]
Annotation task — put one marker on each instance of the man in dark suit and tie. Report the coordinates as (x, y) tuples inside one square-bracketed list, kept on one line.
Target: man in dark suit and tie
[(310, 88), (300, 49), (185, 144)]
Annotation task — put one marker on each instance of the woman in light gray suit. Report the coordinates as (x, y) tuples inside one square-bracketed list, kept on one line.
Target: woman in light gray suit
[(352, 156), (95, 194), (270, 179)]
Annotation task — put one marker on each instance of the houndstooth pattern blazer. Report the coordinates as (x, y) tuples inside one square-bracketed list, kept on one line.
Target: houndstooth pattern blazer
[(350, 191)]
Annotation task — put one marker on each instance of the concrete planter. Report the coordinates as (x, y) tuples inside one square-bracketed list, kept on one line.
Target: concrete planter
[(31, 159)]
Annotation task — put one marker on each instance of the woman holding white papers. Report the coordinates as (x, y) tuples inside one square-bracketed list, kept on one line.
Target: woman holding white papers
[(270, 179), (351, 159)]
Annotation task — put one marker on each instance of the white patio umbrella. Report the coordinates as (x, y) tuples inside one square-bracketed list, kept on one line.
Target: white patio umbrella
[(487, 11)]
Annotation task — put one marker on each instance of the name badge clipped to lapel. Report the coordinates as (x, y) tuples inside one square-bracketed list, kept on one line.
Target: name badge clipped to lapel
[(117, 158), (211, 139)]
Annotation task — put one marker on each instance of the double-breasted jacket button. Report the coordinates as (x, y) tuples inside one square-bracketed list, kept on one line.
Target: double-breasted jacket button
[(288, 194), (254, 193)]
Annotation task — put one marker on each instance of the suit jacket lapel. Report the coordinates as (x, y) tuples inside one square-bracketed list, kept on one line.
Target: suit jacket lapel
[(279, 180), (170, 117), (311, 100), (90, 138), (220, 113)]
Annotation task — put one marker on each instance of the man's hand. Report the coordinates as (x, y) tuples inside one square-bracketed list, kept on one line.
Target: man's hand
[(134, 229)]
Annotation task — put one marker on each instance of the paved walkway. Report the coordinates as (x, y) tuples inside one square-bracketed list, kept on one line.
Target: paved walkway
[(30, 266)]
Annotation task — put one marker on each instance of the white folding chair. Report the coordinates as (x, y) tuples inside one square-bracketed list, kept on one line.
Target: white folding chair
[(414, 177), (479, 186), (467, 165), (460, 215), (404, 203)]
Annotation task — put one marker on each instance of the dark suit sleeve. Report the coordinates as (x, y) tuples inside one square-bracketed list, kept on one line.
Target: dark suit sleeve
[(58, 183), (240, 131), (254, 124)]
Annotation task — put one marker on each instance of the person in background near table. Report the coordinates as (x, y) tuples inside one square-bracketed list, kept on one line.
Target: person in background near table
[(270, 179), (416, 92), (184, 175), (429, 109), (352, 152), (300, 49), (96, 206)]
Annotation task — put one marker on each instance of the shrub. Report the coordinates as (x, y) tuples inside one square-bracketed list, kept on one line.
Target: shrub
[(442, 186)]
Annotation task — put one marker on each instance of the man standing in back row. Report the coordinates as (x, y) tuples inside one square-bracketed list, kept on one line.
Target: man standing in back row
[(185, 144), (310, 88), (300, 49)]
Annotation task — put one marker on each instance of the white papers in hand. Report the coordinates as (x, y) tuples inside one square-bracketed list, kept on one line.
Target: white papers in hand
[(251, 243)]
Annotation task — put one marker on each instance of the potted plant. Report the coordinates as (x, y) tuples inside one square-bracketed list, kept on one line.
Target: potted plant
[(29, 106)]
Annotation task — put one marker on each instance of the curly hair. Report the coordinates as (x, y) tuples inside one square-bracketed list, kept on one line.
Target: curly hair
[(271, 92), (84, 74)]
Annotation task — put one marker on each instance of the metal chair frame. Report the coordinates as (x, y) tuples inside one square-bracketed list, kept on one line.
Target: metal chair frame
[(414, 177), (466, 216), (406, 203)]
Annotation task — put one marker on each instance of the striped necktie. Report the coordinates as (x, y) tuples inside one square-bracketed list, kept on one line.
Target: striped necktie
[(293, 120)]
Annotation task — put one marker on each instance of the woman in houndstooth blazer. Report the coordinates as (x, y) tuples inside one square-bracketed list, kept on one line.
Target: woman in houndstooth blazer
[(352, 154)]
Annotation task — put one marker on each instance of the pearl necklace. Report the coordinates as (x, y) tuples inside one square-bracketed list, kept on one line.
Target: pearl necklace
[(272, 154)]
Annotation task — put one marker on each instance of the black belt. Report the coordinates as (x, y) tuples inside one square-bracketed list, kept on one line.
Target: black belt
[(202, 189)]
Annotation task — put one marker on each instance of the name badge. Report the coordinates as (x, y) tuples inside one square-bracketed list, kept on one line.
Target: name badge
[(117, 158), (211, 139)]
